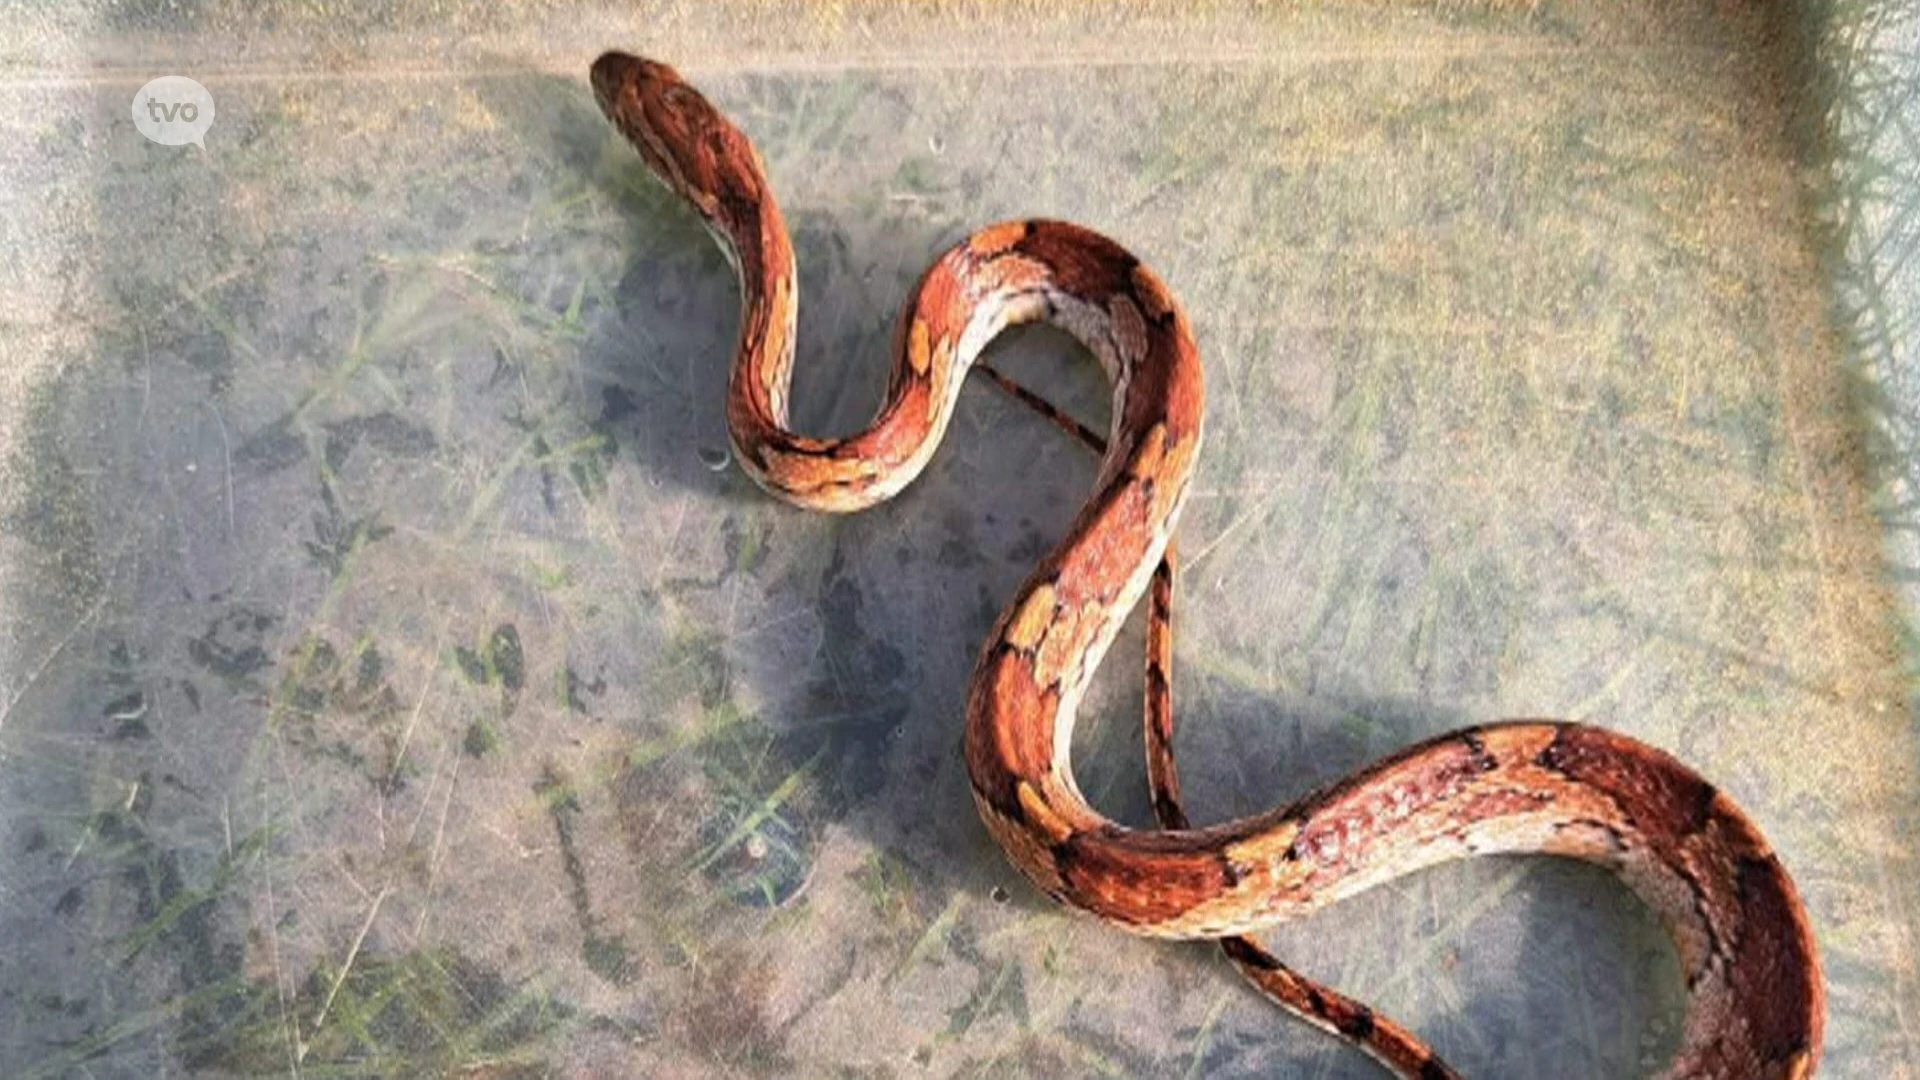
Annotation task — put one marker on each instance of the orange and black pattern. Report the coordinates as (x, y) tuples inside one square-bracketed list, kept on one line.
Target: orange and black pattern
[(1756, 1002)]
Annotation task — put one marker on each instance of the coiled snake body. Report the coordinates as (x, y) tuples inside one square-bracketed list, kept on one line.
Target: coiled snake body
[(1756, 1001)]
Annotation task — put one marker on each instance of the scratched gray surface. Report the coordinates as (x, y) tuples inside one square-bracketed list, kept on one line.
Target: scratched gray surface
[(391, 684)]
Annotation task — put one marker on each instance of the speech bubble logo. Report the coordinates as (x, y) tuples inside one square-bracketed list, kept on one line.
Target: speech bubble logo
[(173, 110)]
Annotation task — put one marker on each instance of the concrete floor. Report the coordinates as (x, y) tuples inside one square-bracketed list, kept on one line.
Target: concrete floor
[(396, 680)]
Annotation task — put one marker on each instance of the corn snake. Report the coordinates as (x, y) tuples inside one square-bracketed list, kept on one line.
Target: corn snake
[(1756, 1003)]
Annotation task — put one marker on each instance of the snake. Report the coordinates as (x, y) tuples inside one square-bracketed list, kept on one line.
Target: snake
[(1755, 1002)]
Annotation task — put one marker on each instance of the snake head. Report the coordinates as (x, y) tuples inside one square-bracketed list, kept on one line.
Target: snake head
[(622, 82), (682, 137)]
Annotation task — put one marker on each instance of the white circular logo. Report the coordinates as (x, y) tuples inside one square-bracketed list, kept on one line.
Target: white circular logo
[(173, 110)]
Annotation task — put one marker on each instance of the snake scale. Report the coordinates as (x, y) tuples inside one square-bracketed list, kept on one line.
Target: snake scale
[(1755, 1005)]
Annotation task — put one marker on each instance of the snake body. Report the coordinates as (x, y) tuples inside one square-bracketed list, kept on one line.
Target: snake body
[(1755, 995)]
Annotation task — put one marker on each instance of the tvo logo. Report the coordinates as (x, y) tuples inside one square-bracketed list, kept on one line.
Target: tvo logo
[(173, 110)]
